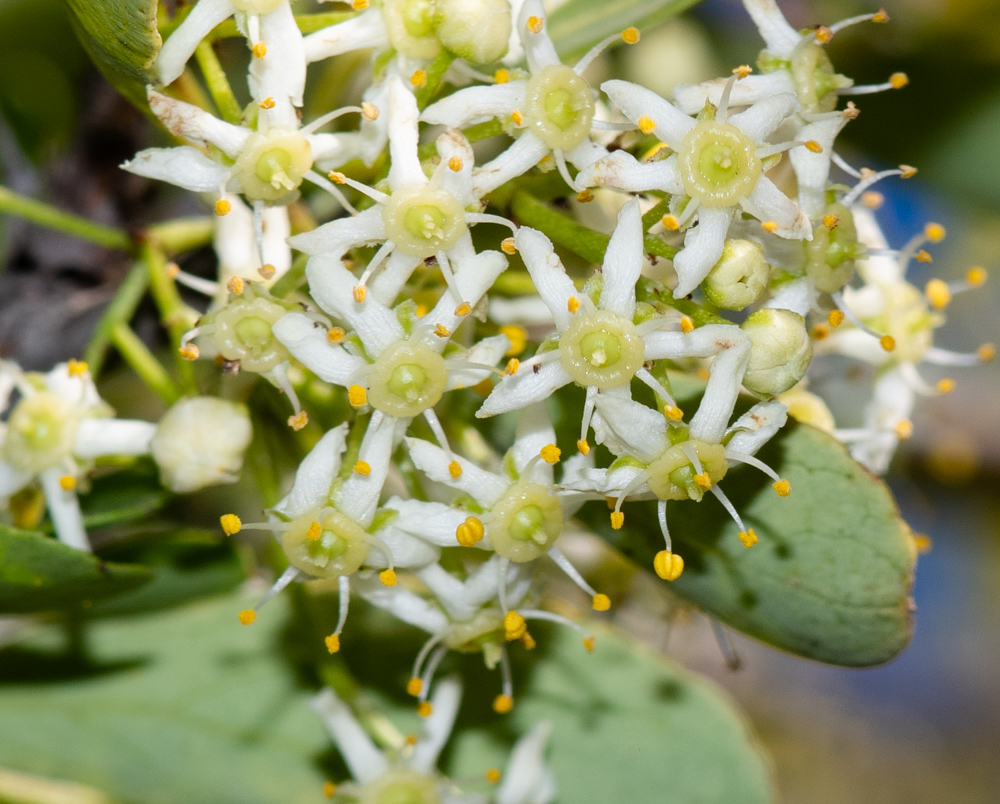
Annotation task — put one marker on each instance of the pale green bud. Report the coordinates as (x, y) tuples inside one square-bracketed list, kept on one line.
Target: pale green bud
[(739, 277), (476, 30), (780, 350)]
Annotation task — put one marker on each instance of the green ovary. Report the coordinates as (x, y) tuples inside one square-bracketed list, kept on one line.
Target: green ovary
[(419, 17), (602, 349), (272, 165), (525, 522), (341, 548), (671, 476), (406, 379), (40, 433), (401, 786), (719, 164), (243, 333), (559, 107), (422, 222), (425, 221)]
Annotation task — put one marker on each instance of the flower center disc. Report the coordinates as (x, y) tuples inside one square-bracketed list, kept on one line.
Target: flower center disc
[(406, 379), (341, 548), (401, 786), (40, 433), (243, 332), (671, 476), (272, 165), (559, 107), (718, 164), (423, 222), (525, 523), (601, 349)]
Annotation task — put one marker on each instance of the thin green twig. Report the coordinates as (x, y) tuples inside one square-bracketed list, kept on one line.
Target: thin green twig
[(173, 313), (119, 311), (43, 214), (142, 361), (218, 84)]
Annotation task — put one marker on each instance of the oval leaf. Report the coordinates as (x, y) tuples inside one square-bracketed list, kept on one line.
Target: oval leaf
[(578, 25), (38, 573)]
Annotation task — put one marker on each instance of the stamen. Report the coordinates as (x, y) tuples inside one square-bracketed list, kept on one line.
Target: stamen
[(323, 184), (477, 217), (878, 16), (508, 246), (600, 47), (536, 24), (223, 207), (750, 460), (560, 158), (493, 775), (418, 79), (748, 537), (896, 81), (572, 572), (720, 494), (298, 420), (380, 256), (657, 388), (867, 182), (418, 663), (501, 76), (539, 614), (67, 482)]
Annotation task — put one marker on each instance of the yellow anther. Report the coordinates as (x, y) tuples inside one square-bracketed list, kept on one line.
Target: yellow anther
[(703, 374), (359, 292), (411, 739), (514, 626), (535, 24), (617, 520), (748, 537), (830, 221), (820, 332), (674, 413), (67, 482), (611, 502), (441, 330), (687, 324), (771, 227), (887, 342), (938, 294), (573, 304), (601, 602), (976, 276), (904, 429), (493, 776), (298, 420), (583, 447), (945, 386), (470, 532), (455, 164), (782, 487), (908, 171), (898, 80), (512, 366), (235, 285), (502, 704), (589, 643), (630, 36), (518, 337), (421, 310), (835, 318), (508, 245), (419, 79), (463, 309), (314, 532), (332, 643), (259, 50), (414, 686), (880, 16), (173, 269), (923, 256), (670, 222), (231, 524), (934, 232), (703, 481), (501, 76), (369, 111), (247, 616), (517, 117), (189, 351), (742, 71), (814, 147), (646, 124), (455, 469), (359, 5), (362, 468), (823, 35), (550, 453), (667, 565), (528, 641), (851, 112), (329, 788), (222, 207), (335, 335), (267, 103), (873, 199), (585, 196), (986, 352), (76, 368), (388, 577), (336, 177), (357, 396), (922, 542)]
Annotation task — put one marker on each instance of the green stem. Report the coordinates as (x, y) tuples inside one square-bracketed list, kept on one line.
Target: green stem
[(173, 313), (656, 213), (119, 311), (435, 75), (293, 277), (182, 234), (43, 214), (218, 84), (142, 361)]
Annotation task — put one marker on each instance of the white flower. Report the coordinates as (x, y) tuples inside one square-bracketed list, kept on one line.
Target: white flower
[(716, 170), (552, 111), (53, 432), (200, 442), (236, 249)]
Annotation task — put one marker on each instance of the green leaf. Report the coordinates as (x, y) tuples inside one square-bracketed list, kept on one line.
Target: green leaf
[(578, 25), (37, 573), (186, 706), (121, 38), (122, 497), (831, 576)]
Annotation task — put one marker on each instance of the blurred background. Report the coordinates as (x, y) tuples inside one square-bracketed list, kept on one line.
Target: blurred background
[(925, 728)]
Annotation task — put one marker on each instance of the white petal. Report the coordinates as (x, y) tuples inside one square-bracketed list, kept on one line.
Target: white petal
[(181, 44), (363, 759), (64, 509), (458, 183), (635, 101), (813, 170), (448, 590), (854, 343), (367, 30), (799, 296), (765, 116), (780, 38), (768, 203), (538, 47), (547, 273), (308, 344), (757, 426), (627, 427), (527, 779), (182, 166), (281, 74), (529, 311), (335, 238), (315, 475), (473, 278), (96, 438), (488, 351), (892, 402), (534, 431), (437, 727), (726, 375), (393, 276), (691, 98), (485, 487), (12, 479), (433, 522), (526, 152), (358, 496), (524, 388), (703, 245), (403, 116), (623, 171), (191, 123), (477, 104), (407, 551), (586, 153), (623, 262)]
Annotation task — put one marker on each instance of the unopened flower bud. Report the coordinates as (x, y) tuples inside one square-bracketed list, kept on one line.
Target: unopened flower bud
[(200, 442), (739, 277), (831, 253), (476, 30), (780, 350)]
